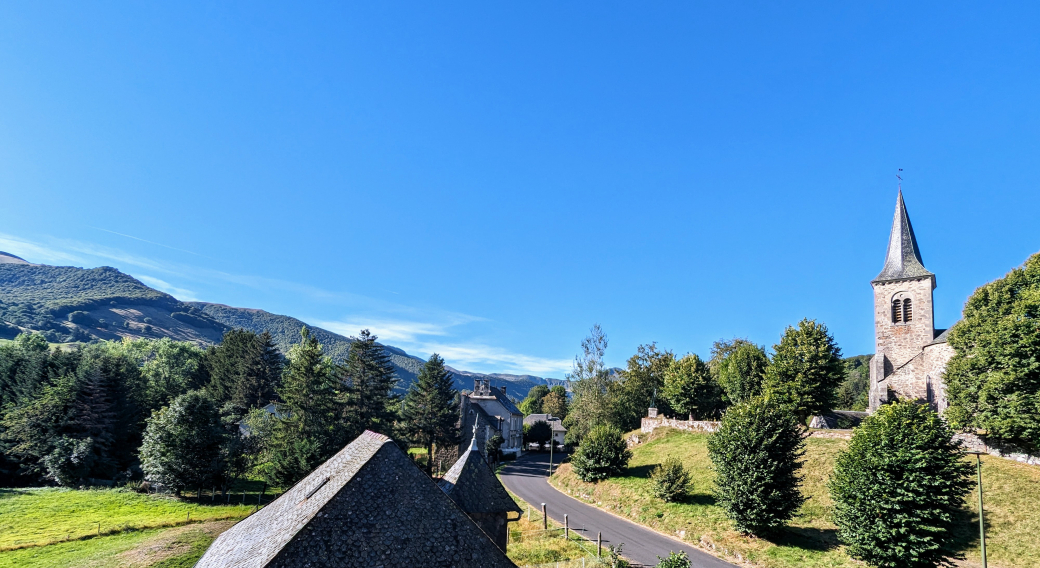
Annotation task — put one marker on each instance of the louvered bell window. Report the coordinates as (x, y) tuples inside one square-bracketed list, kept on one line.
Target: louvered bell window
[(908, 310), (897, 311)]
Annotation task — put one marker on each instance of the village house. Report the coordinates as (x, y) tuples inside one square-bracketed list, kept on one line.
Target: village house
[(489, 410), (558, 430)]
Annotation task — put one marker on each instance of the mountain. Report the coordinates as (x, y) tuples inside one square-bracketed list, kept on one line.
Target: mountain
[(68, 304)]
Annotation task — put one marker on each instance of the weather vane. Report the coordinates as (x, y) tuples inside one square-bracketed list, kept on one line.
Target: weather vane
[(900, 178)]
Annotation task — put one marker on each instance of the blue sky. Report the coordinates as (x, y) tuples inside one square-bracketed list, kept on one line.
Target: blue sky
[(487, 180)]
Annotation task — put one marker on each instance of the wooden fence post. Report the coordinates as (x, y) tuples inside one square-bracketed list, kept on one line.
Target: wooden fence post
[(545, 519), (599, 544), (566, 527)]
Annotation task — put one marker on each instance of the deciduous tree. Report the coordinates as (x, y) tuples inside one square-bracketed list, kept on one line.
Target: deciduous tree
[(898, 487), (690, 389), (592, 389), (993, 380), (603, 453), (742, 371), (756, 455), (806, 369), (182, 443)]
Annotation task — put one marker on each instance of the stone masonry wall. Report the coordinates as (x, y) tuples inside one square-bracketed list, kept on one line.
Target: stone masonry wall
[(901, 342)]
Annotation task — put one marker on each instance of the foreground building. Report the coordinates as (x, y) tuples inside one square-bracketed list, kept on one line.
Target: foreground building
[(472, 485), (910, 354), (367, 506)]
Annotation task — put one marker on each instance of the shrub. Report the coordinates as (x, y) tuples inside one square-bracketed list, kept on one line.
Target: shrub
[(898, 486), (755, 454), (70, 461), (674, 560), (602, 454), (80, 318), (671, 481)]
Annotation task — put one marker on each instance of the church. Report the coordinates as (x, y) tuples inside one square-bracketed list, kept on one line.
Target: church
[(910, 355)]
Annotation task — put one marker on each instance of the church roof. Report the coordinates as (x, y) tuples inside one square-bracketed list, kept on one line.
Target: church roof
[(903, 261), (368, 505), (473, 486)]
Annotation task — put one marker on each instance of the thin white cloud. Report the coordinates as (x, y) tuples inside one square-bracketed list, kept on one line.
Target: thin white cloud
[(182, 294), (420, 331)]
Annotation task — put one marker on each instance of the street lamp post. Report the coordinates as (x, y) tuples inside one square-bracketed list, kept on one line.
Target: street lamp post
[(982, 516)]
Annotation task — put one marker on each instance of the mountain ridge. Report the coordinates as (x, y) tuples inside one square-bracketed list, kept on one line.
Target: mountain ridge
[(71, 304)]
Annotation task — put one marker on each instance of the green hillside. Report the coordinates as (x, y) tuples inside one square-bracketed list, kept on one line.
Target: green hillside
[(286, 332)]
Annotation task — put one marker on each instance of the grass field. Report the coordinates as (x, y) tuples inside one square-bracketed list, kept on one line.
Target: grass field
[(178, 547), (35, 517), (1011, 491)]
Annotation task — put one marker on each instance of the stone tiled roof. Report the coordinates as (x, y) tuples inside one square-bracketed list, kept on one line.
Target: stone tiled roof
[(368, 505), (940, 337), (903, 260), (474, 487)]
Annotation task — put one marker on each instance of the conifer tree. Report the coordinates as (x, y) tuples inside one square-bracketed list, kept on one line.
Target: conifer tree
[(369, 378), (307, 431), (430, 410), (806, 369)]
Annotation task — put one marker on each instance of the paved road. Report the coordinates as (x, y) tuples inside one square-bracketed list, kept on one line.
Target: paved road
[(527, 478)]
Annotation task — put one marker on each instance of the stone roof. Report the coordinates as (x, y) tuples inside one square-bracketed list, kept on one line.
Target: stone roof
[(555, 422), (368, 505), (940, 337), (472, 485), (903, 260)]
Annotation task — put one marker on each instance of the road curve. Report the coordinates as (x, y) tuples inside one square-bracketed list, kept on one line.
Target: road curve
[(527, 478)]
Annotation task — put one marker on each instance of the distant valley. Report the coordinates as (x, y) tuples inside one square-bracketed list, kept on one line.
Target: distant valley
[(69, 304)]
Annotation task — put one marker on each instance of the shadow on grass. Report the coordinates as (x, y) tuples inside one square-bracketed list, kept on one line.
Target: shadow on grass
[(641, 471), (807, 538), (704, 499), (7, 493), (965, 533)]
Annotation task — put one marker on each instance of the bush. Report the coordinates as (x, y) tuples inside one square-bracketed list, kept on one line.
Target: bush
[(674, 560), (80, 318), (755, 454), (671, 481), (898, 486), (602, 454)]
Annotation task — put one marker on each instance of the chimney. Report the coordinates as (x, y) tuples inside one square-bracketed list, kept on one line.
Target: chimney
[(476, 387), (503, 389)]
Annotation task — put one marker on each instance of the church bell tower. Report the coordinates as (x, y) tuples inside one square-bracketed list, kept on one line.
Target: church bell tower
[(902, 306)]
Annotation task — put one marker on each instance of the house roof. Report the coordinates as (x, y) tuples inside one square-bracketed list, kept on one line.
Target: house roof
[(472, 485), (505, 401), (368, 505), (903, 260), (555, 422)]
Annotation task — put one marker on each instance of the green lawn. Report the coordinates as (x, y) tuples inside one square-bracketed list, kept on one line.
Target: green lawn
[(529, 544), (178, 547), (1011, 491), (33, 517)]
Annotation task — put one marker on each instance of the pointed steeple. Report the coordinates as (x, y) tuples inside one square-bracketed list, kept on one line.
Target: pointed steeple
[(904, 258)]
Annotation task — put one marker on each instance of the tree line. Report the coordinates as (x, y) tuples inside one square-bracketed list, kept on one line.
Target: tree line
[(173, 413)]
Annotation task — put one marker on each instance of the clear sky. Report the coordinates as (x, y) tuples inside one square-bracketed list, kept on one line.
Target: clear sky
[(489, 179)]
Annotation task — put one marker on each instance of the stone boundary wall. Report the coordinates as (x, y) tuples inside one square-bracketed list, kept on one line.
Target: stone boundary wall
[(649, 424), (975, 443)]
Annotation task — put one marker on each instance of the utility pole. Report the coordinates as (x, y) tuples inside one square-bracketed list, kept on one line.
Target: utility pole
[(982, 515)]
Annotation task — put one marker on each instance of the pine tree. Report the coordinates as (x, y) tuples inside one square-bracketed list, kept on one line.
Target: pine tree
[(93, 415), (307, 431), (369, 377), (431, 409)]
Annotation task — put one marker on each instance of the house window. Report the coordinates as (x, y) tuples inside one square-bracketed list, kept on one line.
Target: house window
[(908, 310)]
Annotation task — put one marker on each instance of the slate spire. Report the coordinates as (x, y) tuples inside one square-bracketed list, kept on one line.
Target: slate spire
[(903, 260)]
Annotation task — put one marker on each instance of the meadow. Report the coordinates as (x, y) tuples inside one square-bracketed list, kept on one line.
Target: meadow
[(1011, 493)]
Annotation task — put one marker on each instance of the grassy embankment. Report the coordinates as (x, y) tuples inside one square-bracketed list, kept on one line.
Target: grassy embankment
[(1011, 492), (530, 545)]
